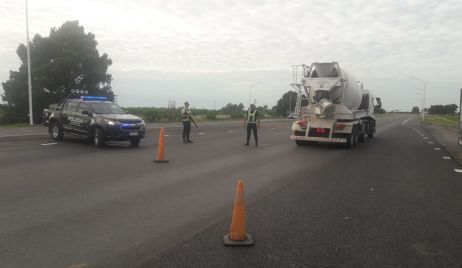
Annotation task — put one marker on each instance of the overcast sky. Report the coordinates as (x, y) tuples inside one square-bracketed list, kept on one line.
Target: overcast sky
[(206, 51)]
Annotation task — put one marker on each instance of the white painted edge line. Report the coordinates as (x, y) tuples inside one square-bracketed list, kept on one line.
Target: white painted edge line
[(405, 121), (23, 135), (458, 170), (436, 149), (48, 144), (446, 157)]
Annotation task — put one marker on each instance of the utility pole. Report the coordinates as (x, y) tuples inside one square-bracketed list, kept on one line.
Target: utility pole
[(250, 91), (29, 80), (424, 95)]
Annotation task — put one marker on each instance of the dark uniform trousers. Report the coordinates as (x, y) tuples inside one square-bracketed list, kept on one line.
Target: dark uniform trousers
[(186, 130), (252, 127)]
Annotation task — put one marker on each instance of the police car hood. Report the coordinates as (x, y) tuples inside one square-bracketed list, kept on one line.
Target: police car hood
[(122, 118)]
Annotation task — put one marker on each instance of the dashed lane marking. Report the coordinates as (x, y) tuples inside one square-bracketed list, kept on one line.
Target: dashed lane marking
[(229, 131), (458, 170), (430, 142), (201, 133), (405, 121), (446, 157), (48, 144), (436, 149)]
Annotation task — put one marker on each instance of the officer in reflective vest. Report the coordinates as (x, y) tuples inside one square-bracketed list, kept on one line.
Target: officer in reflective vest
[(187, 118), (252, 120)]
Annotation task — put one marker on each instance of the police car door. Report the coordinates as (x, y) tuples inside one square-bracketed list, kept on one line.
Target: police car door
[(83, 112), (69, 119)]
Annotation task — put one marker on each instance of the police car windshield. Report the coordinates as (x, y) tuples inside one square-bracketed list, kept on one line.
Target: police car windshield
[(106, 108)]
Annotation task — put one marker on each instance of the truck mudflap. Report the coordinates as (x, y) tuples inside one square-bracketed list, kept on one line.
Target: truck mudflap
[(321, 139)]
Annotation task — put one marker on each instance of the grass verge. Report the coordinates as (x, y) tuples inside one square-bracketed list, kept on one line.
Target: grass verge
[(447, 120)]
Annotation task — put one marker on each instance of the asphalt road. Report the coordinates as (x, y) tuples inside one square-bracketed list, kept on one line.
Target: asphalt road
[(391, 202)]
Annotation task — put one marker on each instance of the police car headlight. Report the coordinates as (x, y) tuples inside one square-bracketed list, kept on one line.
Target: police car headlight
[(111, 123)]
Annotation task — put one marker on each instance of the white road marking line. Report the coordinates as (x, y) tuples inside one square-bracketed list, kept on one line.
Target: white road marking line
[(201, 133), (22, 135), (166, 135), (230, 131), (346, 218), (372, 189), (430, 142), (458, 170), (273, 128), (405, 121), (446, 157), (436, 149), (425, 138), (421, 134), (47, 144)]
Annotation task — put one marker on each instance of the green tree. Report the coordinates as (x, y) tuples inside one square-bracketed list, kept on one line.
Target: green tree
[(415, 110), (442, 109), (286, 104), (232, 108), (67, 59)]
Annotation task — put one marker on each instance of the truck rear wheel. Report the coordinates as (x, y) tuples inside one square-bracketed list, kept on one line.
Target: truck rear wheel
[(98, 138), (352, 139), (362, 137), (56, 131)]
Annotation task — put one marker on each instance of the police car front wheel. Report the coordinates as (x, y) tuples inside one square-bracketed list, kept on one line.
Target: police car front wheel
[(98, 138), (56, 131)]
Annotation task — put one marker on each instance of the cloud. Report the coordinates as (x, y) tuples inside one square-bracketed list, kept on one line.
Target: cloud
[(370, 38)]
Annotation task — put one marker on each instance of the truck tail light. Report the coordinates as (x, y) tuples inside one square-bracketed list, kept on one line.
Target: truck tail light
[(339, 126), (302, 123), (322, 130)]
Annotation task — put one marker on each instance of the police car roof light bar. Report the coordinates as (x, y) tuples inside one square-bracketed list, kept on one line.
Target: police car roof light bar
[(93, 98)]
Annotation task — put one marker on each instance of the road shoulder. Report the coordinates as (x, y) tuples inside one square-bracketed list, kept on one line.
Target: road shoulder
[(448, 138)]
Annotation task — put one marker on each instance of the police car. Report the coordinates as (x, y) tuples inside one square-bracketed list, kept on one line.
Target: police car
[(96, 118)]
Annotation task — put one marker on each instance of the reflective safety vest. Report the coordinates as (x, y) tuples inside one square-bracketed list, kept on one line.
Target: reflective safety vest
[(186, 115), (252, 116)]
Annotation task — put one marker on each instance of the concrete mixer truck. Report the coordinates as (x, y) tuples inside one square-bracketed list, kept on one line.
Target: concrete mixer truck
[(332, 107)]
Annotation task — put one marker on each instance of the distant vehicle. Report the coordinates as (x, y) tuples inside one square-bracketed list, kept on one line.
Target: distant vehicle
[(292, 116), (339, 109), (93, 117)]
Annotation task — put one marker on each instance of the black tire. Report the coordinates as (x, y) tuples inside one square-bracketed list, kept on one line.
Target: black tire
[(98, 137), (362, 137), (134, 142), (352, 139), (56, 131)]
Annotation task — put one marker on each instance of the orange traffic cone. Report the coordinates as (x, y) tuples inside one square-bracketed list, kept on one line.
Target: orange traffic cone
[(237, 236), (160, 150)]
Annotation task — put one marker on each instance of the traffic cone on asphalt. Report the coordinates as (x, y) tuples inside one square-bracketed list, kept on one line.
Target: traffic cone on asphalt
[(237, 236), (160, 149)]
